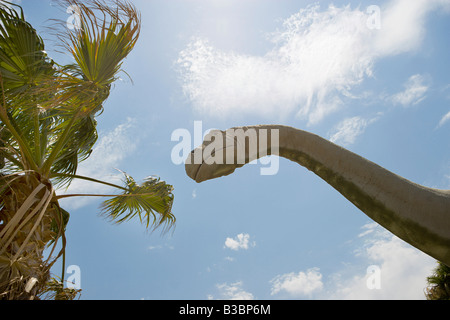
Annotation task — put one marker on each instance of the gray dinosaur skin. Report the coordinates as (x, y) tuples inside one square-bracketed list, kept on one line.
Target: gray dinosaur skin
[(417, 214)]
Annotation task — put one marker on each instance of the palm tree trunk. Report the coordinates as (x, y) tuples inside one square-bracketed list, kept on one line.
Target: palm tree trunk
[(25, 231)]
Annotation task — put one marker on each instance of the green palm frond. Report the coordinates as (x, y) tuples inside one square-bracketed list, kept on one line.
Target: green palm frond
[(107, 35), (23, 60), (151, 201), (103, 41), (23, 66), (83, 138)]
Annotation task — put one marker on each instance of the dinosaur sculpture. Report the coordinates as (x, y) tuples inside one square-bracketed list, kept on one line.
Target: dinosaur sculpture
[(417, 214)]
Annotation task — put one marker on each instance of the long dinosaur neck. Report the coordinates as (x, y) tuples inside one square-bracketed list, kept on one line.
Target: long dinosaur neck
[(416, 214)]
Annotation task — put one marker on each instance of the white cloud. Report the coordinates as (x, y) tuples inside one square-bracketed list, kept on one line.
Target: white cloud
[(403, 270), (299, 75), (317, 58), (415, 91), (444, 120), (403, 25), (160, 247), (346, 132), (241, 241), (232, 292), (111, 149), (298, 284), (151, 248)]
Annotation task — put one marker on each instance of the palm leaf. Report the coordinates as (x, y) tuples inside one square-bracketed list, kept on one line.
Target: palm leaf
[(23, 66), (104, 40), (151, 201), (107, 35), (23, 60)]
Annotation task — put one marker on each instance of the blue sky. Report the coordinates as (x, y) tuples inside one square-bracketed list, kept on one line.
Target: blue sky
[(370, 76)]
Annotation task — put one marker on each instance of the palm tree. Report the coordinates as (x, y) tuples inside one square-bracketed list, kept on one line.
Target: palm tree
[(48, 124), (439, 283)]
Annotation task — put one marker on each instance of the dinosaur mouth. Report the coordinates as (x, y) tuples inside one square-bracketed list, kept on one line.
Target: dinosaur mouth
[(194, 169), (196, 173), (204, 171)]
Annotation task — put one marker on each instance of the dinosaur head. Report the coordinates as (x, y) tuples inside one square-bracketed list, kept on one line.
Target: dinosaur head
[(219, 155)]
